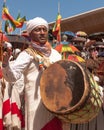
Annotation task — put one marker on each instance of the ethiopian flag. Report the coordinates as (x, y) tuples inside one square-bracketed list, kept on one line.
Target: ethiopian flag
[(8, 28), (18, 23), (57, 28)]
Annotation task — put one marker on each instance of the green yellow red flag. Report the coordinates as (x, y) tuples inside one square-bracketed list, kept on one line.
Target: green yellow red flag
[(57, 28), (18, 23)]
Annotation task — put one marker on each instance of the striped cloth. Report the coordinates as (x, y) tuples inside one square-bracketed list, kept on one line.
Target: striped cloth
[(10, 108)]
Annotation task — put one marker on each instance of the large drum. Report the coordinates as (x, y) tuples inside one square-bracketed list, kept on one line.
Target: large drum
[(69, 91)]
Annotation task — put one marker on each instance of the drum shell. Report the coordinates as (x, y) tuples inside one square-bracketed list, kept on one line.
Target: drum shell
[(69, 91)]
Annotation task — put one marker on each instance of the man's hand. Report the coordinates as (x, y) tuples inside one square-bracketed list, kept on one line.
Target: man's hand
[(6, 56)]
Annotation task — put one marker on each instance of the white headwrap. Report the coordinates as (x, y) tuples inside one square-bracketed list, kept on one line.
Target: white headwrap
[(33, 23), (16, 51), (7, 45)]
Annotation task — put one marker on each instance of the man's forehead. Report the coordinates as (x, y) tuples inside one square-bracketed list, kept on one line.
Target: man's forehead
[(40, 26)]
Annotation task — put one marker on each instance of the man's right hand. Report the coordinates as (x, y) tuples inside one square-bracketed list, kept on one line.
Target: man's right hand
[(6, 56)]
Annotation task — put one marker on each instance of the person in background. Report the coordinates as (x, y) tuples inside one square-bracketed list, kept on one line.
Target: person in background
[(7, 47), (12, 95), (31, 62), (16, 53), (54, 43)]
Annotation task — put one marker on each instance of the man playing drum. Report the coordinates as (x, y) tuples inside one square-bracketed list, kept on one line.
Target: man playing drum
[(31, 63)]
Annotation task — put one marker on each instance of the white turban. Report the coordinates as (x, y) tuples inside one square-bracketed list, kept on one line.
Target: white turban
[(7, 45), (16, 51), (33, 23)]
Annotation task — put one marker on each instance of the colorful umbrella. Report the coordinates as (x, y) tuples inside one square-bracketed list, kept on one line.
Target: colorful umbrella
[(74, 48), (66, 48), (81, 34), (96, 36), (78, 39), (69, 34), (76, 58)]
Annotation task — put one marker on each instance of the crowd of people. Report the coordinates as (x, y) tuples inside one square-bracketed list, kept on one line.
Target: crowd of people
[(22, 106), (91, 50)]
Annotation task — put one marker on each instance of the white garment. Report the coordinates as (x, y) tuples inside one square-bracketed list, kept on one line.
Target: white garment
[(10, 104), (36, 115)]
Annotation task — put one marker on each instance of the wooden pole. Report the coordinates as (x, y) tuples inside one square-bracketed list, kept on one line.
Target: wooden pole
[(60, 23), (58, 7)]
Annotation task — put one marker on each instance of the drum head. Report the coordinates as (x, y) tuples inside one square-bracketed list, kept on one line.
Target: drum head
[(64, 87)]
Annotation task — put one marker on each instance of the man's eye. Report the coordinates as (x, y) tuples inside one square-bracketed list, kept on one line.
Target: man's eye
[(37, 30), (45, 30)]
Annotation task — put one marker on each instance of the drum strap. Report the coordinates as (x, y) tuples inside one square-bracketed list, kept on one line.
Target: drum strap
[(43, 61)]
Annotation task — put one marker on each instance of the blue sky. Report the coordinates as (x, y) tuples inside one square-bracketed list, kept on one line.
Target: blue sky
[(48, 9)]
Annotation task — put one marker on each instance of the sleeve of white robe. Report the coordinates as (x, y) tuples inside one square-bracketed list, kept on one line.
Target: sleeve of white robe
[(13, 72)]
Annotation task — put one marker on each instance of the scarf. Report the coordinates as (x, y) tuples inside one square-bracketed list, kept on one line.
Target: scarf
[(44, 49)]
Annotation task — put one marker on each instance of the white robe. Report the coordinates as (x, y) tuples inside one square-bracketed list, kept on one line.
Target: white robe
[(36, 115)]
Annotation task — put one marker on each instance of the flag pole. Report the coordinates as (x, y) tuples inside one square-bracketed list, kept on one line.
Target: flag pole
[(56, 27), (60, 25), (1, 51), (58, 7), (1, 40)]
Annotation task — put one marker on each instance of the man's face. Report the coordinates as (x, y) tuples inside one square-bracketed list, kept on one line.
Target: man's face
[(39, 34)]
